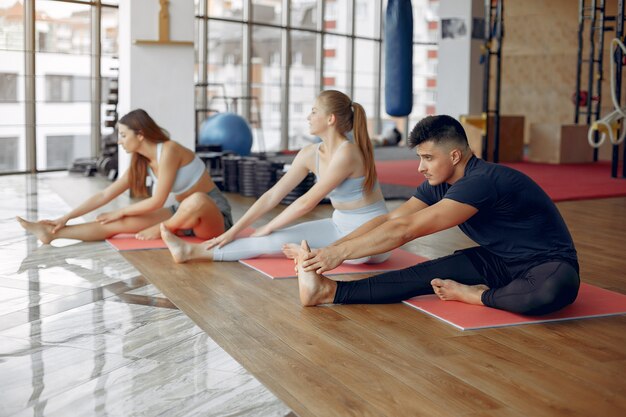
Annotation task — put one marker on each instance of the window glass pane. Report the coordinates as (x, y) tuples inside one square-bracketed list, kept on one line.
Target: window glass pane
[(109, 67), (365, 80), (8, 87), (367, 18), (304, 14), (63, 82), (303, 86), (232, 9), (336, 63), (424, 81), (61, 150), (11, 25), (225, 69), (266, 85), (267, 11), (12, 123), (425, 21), (337, 16), (9, 152)]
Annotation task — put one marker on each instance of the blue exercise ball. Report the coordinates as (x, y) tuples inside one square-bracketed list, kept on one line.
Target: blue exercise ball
[(228, 130)]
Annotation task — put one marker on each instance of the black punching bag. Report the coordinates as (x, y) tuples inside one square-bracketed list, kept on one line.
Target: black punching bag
[(399, 58)]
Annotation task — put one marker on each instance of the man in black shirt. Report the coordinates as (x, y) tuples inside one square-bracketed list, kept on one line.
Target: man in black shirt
[(525, 262)]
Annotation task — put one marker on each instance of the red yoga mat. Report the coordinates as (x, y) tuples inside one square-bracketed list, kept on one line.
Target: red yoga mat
[(281, 267), (591, 302)]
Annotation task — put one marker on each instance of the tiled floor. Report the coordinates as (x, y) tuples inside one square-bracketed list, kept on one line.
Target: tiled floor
[(82, 333)]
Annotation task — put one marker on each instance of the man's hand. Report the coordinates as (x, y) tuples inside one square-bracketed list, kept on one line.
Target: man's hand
[(109, 217), (324, 259)]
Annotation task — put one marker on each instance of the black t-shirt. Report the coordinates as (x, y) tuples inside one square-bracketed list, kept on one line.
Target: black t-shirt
[(516, 219)]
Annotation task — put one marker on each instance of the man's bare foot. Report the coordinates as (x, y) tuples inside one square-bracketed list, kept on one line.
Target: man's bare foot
[(450, 290), (42, 231), (291, 250), (314, 288), (182, 251), (151, 233)]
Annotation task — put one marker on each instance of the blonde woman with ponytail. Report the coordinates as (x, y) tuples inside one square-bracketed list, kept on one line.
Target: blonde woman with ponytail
[(200, 208), (345, 172)]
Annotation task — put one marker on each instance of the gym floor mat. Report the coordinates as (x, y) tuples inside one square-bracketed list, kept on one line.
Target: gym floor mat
[(592, 301), (281, 267)]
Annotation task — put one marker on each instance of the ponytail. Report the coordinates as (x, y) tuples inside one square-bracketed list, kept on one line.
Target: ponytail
[(351, 116), (137, 175), (362, 139)]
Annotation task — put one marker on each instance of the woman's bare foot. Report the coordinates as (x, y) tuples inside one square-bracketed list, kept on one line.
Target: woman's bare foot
[(42, 231), (314, 288), (291, 250), (182, 251), (151, 233), (450, 290)]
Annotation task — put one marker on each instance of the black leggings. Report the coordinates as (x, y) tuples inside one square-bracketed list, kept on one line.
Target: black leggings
[(532, 288)]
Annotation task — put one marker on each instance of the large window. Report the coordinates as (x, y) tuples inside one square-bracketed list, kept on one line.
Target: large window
[(337, 58), (251, 61), (226, 72), (266, 85), (303, 85), (12, 117), (109, 68), (63, 78), (59, 84), (366, 54), (342, 51)]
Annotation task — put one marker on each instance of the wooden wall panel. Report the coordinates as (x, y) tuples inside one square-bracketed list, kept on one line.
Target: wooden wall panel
[(539, 61)]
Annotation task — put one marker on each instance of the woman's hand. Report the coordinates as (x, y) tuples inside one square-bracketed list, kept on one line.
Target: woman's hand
[(57, 224), (261, 231), (108, 217), (223, 239)]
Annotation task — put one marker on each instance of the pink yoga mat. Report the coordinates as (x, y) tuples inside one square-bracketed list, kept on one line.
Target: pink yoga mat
[(281, 267), (591, 302)]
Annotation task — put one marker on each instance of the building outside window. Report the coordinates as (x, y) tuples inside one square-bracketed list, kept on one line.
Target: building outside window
[(8, 87)]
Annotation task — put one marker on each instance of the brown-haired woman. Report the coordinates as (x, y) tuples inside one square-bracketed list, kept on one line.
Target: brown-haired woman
[(345, 172), (200, 206)]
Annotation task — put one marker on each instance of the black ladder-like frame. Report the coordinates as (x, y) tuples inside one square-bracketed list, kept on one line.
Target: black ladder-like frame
[(494, 32)]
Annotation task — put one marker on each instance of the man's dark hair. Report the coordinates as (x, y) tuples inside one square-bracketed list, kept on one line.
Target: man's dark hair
[(440, 129)]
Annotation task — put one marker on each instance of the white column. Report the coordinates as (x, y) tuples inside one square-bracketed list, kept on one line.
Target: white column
[(459, 72), (157, 77)]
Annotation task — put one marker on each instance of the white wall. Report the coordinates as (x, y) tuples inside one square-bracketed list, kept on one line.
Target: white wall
[(157, 78)]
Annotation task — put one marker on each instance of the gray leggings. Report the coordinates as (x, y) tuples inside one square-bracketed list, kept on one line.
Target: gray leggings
[(318, 234)]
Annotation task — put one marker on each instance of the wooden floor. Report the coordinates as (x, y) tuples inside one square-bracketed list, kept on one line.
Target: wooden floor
[(391, 360)]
